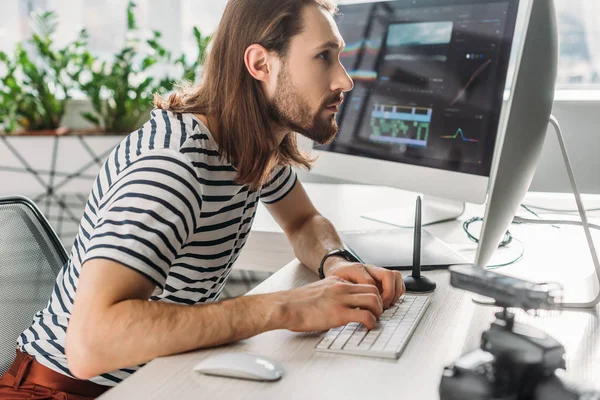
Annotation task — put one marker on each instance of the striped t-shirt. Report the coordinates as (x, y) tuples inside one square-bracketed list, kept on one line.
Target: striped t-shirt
[(167, 206)]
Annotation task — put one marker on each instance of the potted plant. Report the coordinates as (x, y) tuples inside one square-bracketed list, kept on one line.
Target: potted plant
[(121, 91), (35, 86), (39, 79), (191, 71)]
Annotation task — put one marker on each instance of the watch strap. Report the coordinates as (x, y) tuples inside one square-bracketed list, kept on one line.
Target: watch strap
[(337, 252)]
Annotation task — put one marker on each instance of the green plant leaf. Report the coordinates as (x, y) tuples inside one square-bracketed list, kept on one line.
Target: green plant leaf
[(143, 87), (40, 77), (92, 118), (148, 62), (131, 22)]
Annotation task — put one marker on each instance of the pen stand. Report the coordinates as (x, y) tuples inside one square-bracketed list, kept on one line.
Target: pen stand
[(416, 282), (419, 284)]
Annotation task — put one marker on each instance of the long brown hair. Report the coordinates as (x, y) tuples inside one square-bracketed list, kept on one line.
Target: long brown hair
[(231, 96)]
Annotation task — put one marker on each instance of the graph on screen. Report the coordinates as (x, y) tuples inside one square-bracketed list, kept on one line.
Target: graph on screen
[(460, 135)]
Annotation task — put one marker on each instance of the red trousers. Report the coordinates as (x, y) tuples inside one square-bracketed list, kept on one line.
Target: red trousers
[(28, 379)]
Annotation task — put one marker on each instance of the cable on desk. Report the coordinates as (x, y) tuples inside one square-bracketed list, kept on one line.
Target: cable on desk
[(521, 220), (526, 207), (508, 238), (558, 210)]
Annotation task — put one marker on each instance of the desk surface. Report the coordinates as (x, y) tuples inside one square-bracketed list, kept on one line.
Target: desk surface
[(317, 375), (446, 331), (451, 325)]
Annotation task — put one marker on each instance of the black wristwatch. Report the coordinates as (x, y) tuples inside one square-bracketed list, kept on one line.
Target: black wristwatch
[(337, 252)]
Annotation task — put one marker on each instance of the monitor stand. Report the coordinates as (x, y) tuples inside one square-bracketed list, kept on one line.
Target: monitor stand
[(435, 209)]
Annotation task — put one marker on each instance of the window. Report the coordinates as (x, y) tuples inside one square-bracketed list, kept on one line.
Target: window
[(579, 28)]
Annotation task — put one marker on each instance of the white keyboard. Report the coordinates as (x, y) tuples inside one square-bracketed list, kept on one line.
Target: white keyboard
[(387, 340)]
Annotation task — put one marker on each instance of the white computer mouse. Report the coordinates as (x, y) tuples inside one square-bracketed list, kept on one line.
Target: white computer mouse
[(241, 365)]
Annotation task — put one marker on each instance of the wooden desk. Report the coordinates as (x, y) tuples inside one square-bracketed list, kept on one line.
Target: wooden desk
[(441, 337), (451, 325), (311, 375)]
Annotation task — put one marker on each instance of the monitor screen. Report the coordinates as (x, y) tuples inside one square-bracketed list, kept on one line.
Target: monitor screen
[(429, 80)]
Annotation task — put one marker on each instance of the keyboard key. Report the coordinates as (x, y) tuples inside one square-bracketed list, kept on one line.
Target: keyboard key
[(387, 340), (326, 341)]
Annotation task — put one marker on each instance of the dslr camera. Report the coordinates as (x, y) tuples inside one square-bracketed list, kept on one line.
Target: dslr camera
[(514, 361)]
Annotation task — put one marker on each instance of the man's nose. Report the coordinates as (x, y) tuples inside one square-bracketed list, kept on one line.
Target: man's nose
[(342, 81)]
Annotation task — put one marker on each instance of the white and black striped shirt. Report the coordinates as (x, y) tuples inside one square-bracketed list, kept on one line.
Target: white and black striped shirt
[(165, 205)]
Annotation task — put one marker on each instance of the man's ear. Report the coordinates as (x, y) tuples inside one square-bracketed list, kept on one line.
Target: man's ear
[(258, 63)]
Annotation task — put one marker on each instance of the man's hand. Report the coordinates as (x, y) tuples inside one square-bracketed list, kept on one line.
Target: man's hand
[(330, 303), (389, 283)]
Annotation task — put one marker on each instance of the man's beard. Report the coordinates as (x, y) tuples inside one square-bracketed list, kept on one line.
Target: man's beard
[(290, 109)]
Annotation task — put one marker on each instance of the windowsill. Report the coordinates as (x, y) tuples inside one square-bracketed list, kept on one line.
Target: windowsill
[(571, 95)]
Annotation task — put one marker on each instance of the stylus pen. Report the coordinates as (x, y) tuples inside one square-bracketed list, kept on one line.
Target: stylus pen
[(416, 269)]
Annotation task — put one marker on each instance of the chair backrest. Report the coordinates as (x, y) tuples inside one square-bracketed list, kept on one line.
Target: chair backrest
[(31, 255)]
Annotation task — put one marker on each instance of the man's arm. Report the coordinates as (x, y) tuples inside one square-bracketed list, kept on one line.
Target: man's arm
[(113, 325), (312, 236)]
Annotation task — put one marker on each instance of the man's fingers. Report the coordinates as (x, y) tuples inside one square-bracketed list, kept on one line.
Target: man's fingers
[(387, 281), (357, 288), (360, 275), (400, 287), (365, 317), (366, 301)]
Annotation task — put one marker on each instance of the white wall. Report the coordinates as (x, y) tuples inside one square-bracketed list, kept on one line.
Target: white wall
[(10, 25), (580, 124)]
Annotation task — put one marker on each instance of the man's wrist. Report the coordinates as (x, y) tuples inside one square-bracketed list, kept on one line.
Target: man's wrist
[(279, 314), (283, 314), (332, 261), (342, 253)]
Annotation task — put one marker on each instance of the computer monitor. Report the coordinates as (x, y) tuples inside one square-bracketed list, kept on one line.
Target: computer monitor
[(528, 112), (430, 103)]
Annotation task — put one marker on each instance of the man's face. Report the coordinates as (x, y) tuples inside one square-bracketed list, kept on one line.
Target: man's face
[(311, 79)]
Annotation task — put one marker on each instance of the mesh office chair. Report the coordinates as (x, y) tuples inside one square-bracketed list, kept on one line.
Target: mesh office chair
[(31, 255)]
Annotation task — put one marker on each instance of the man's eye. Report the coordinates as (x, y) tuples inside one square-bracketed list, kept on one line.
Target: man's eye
[(324, 56)]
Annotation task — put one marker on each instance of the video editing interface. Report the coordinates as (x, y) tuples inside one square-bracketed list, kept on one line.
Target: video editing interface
[(429, 81)]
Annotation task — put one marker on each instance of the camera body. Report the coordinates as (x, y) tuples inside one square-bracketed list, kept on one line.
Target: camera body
[(514, 361)]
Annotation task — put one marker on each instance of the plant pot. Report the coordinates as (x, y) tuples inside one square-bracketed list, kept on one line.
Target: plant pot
[(88, 132), (44, 132)]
